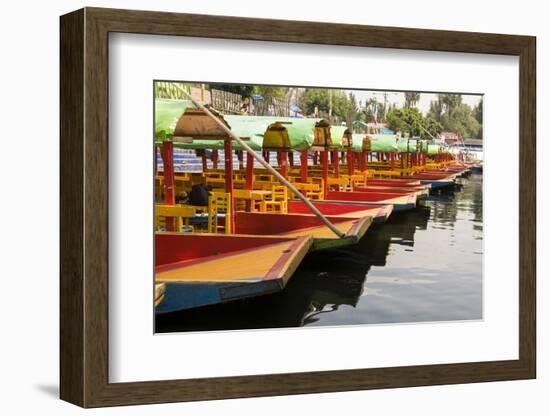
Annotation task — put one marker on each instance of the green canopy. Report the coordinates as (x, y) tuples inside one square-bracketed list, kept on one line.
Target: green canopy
[(337, 136), (386, 143), (408, 146), (434, 149), (287, 132), (423, 146), (167, 114), (357, 142), (290, 133), (247, 128)]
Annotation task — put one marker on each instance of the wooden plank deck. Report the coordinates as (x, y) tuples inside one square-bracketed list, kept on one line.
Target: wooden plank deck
[(245, 265), (252, 270)]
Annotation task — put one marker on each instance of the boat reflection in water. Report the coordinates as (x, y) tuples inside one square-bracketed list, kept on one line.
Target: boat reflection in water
[(422, 265)]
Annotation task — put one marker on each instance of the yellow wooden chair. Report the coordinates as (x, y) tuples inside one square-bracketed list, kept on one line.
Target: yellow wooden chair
[(182, 213), (278, 202), (241, 198), (357, 180), (344, 182), (219, 203), (334, 184)]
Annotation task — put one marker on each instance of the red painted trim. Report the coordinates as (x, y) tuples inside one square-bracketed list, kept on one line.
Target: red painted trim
[(385, 189), (335, 163), (240, 158), (330, 209), (279, 267), (215, 157), (350, 162), (255, 223), (303, 166), (249, 177), (353, 231), (228, 159), (283, 163), (180, 247), (324, 163), (206, 259), (377, 197), (169, 188)]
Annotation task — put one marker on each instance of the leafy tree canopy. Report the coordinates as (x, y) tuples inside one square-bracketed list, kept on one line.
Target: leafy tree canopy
[(456, 116), (405, 120), (269, 93), (411, 99), (323, 100), (241, 89)]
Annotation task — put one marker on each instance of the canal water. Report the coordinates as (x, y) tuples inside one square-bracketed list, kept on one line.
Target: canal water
[(423, 265)]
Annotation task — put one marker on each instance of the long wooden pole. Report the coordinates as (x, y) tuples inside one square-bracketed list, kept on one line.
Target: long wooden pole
[(266, 165)]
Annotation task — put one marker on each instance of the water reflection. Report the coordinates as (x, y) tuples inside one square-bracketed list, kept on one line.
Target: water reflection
[(422, 265)]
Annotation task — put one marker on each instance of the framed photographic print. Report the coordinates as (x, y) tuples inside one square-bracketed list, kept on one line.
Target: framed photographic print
[(255, 207)]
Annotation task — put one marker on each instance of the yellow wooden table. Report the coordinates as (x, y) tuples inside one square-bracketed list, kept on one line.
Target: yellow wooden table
[(254, 195)]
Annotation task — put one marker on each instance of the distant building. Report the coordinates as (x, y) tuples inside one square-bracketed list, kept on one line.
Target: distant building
[(372, 128), (473, 142), (451, 138)]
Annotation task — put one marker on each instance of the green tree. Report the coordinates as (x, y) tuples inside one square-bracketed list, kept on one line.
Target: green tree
[(436, 110), (405, 120), (371, 110), (461, 120), (456, 116), (411, 99), (431, 128), (241, 89), (270, 93), (449, 102), (335, 101), (478, 114), (350, 110)]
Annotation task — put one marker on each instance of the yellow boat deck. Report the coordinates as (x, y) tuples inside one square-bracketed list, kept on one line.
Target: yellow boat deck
[(247, 265), (323, 231)]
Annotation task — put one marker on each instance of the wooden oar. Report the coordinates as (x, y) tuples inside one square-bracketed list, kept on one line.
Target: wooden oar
[(266, 165)]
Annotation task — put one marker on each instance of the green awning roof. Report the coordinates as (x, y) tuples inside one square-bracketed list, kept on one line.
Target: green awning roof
[(408, 146), (357, 142), (299, 131), (386, 143), (337, 137), (247, 128), (167, 114), (434, 149)]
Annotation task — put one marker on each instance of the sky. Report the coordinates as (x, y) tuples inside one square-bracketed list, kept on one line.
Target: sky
[(399, 98)]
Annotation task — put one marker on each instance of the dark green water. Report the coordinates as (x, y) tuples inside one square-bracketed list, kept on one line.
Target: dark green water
[(423, 265)]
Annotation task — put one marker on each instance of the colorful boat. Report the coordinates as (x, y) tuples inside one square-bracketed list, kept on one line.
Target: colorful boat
[(193, 270), (420, 191), (379, 213), (403, 202), (304, 225), (436, 180)]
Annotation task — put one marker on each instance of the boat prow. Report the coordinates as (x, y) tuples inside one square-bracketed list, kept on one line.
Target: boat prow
[(299, 225), (194, 270), (400, 203), (379, 213)]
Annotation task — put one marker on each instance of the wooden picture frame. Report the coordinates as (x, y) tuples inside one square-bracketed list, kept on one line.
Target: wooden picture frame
[(84, 207)]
